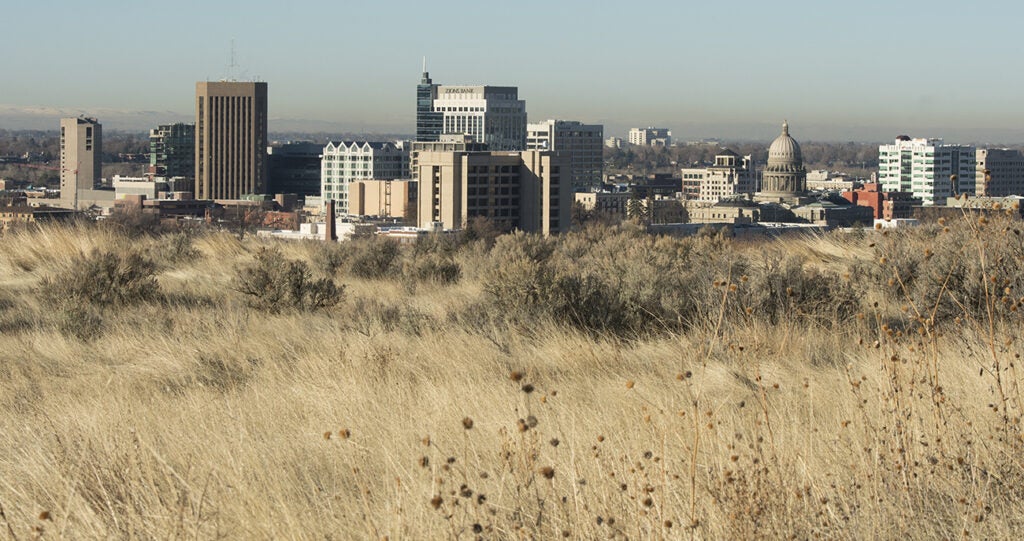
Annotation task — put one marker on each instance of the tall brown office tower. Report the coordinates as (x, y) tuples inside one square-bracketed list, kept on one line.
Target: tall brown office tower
[(231, 139)]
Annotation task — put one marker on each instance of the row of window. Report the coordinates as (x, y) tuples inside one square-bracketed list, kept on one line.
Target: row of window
[(484, 169), (503, 202), (505, 190)]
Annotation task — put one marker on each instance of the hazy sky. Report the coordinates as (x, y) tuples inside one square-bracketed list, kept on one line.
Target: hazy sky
[(864, 70)]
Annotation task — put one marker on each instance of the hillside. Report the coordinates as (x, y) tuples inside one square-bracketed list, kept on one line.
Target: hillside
[(605, 384)]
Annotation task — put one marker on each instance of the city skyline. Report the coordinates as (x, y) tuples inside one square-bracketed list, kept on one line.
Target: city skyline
[(864, 72)]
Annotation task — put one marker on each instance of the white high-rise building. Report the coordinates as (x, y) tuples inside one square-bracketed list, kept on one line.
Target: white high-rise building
[(928, 168), (581, 143), (346, 161), (493, 115), (650, 136)]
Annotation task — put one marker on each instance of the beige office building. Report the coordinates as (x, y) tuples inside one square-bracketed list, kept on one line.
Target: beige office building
[(530, 191), (383, 198), (448, 142), (231, 139), (81, 162)]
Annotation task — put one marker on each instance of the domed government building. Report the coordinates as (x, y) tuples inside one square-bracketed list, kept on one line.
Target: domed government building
[(784, 196), (784, 179)]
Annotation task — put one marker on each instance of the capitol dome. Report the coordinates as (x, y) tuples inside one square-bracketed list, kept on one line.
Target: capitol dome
[(784, 175), (785, 150)]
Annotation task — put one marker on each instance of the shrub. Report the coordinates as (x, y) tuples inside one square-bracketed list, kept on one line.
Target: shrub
[(81, 321), (104, 279), (966, 270), (432, 267), (328, 257), (174, 247), (374, 258), (135, 222), (782, 287), (273, 283)]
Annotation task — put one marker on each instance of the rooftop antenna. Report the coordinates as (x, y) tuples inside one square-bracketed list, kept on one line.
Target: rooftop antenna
[(424, 64), (232, 65)]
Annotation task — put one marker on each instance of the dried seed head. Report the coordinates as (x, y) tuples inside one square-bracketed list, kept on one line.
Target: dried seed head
[(548, 472), (467, 423), (629, 384), (528, 388), (436, 501), (515, 376)]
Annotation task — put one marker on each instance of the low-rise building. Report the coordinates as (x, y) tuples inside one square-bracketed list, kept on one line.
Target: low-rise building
[(382, 198), (732, 211), (730, 175), (822, 180), (16, 210), (884, 205), (613, 142), (611, 203)]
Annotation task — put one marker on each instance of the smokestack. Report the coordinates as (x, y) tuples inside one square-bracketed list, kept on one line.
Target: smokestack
[(331, 233)]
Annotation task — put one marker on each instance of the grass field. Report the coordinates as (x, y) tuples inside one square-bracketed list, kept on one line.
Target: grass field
[(605, 384)]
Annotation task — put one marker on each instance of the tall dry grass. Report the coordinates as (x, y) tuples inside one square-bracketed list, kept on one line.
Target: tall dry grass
[(844, 386)]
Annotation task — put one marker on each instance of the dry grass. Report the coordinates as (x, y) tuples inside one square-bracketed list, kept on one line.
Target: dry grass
[(413, 412)]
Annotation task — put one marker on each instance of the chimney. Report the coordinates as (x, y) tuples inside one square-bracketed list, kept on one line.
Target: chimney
[(331, 233)]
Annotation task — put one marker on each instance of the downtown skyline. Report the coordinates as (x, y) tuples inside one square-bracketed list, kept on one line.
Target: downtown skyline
[(864, 72)]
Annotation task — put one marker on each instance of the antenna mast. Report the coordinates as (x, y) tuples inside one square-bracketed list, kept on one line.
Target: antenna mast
[(233, 65)]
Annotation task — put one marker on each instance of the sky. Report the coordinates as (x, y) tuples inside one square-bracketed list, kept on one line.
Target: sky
[(850, 71)]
